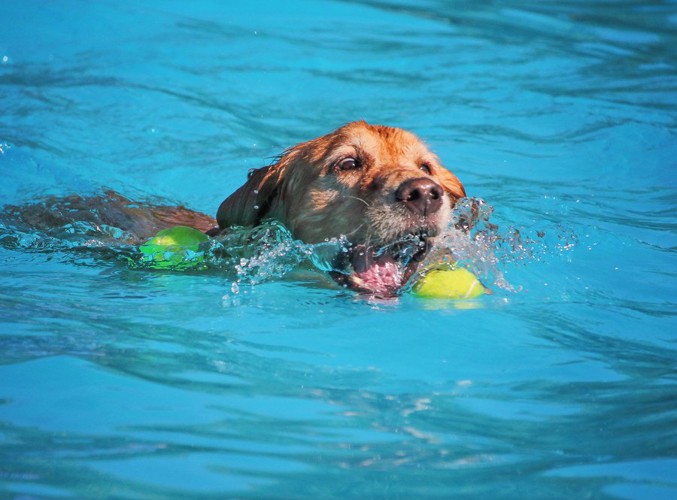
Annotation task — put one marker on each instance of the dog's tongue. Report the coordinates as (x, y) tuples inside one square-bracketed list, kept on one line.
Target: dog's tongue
[(380, 274)]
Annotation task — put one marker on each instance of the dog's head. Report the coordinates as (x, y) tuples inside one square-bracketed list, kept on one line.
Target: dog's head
[(379, 187)]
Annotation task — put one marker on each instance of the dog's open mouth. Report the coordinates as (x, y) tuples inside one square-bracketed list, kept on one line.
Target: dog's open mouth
[(382, 270)]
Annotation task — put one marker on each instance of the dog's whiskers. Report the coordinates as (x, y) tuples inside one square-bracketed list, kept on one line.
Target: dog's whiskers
[(359, 199), (356, 229)]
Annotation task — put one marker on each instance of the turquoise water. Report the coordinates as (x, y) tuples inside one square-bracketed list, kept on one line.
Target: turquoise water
[(125, 382)]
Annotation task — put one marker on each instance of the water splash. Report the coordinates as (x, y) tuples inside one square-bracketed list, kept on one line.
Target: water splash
[(257, 254), (250, 256), (269, 252), (77, 235), (475, 242)]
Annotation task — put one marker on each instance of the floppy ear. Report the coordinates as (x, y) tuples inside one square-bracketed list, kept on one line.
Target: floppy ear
[(451, 185), (252, 201)]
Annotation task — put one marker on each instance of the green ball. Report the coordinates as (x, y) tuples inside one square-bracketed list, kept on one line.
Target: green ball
[(451, 283), (174, 248)]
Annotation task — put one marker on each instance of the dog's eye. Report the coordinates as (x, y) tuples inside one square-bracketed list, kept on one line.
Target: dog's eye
[(426, 168), (348, 164)]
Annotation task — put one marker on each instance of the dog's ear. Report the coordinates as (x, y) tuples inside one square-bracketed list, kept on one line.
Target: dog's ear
[(251, 202), (451, 185)]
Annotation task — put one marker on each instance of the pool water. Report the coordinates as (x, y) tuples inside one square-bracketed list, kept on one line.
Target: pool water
[(259, 381)]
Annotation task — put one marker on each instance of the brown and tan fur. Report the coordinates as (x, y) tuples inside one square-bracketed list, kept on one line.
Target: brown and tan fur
[(139, 221), (369, 184), (307, 193)]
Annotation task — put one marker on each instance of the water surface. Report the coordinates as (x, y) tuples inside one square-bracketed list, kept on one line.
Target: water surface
[(126, 382)]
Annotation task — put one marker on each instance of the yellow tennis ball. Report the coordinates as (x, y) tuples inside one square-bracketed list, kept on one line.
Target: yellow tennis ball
[(174, 248), (451, 283)]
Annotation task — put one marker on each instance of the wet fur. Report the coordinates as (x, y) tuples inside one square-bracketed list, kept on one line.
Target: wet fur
[(138, 221), (307, 193), (305, 189)]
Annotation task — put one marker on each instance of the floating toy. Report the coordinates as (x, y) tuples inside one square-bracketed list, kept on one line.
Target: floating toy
[(449, 283), (174, 248), (178, 248)]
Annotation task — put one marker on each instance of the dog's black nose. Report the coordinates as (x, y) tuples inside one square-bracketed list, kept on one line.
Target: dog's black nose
[(422, 196)]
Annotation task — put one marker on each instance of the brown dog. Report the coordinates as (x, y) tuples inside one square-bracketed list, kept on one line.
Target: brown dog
[(379, 187)]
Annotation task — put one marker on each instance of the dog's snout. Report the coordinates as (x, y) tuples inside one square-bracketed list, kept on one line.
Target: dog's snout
[(422, 196)]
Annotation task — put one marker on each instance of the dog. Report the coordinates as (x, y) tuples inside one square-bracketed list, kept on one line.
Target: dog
[(378, 188)]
